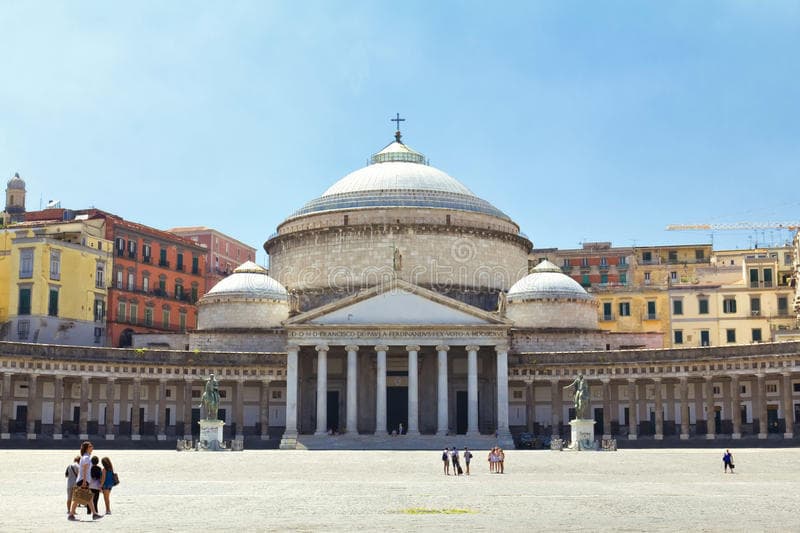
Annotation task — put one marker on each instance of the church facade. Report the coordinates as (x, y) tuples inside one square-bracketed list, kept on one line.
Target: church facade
[(399, 302)]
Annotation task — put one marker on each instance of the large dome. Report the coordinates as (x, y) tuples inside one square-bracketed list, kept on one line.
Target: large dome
[(547, 282), (249, 281), (399, 177)]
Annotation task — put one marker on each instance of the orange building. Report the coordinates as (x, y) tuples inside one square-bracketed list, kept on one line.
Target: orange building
[(156, 281)]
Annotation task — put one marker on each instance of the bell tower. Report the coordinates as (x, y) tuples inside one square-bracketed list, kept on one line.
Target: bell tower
[(15, 199)]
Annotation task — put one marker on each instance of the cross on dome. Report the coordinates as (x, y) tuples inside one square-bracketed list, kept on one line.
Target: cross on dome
[(398, 120)]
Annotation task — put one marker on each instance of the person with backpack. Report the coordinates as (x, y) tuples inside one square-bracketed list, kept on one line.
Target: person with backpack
[(107, 482), (71, 473), (727, 461), (446, 461), (467, 458)]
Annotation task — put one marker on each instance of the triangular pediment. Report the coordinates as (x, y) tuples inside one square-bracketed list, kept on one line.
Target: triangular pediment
[(397, 303)]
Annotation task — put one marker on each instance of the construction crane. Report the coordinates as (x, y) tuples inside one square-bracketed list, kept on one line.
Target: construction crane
[(789, 226)]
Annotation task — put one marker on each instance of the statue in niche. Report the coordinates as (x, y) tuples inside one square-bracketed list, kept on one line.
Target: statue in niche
[(397, 260), (502, 303), (294, 303)]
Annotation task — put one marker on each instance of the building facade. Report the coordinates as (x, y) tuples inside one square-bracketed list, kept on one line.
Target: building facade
[(223, 253)]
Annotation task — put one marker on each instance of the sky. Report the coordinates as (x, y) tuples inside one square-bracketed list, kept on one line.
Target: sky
[(582, 120)]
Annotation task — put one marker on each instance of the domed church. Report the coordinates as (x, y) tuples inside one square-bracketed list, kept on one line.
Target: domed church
[(398, 296)]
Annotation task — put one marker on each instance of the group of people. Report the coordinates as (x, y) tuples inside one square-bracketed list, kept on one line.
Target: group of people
[(85, 471), (497, 459), (450, 456)]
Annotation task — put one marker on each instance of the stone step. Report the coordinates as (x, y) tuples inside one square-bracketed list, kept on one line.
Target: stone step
[(402, 442)]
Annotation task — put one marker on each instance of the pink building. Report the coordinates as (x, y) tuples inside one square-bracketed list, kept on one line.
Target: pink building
[(223, 253)]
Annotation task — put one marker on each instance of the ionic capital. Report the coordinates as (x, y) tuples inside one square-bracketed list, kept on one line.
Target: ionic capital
[(442, 348), (381, 348), (501, 348), (412, 348), (292, 348), (473, 348), (321, 348), (352, 348)]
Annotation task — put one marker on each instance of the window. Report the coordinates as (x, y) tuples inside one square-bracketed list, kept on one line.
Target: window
[(702, 305), (134, 318), (195, 265), (99, 310), (730, 335), (755, 306), (673, 256), (767, 277), (753, 277), (131, 281), (179, 262), (148, 316), (604, 278), (585, 262), (165, 318), (585, 280), (121, 312), (565, 263), (607, 311), (677, 307), (705, 338), (26, 263), (24, 305), (52, 302), (346, 222), (651, 310), (673, 276), (772, 388), (178, 290), (146, 283), (100, 275), (182, 320), (678, 336), (787, 259), (162, 260), (162, 286), (55, 264), (623, 279), (276, 395), (647, 257), (756, 334), (194, 292), (603, 261), (783, 305), (647, 278), (120, 246), (699, 255), (625, 309), (622, 261), (146, 253), (23, 329), (729, 305), (132, 249), (119, 279)]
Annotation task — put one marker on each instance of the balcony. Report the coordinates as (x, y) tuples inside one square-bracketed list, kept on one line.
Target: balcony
[(607, 318), (650, 316), (146, 259), (163, 263)]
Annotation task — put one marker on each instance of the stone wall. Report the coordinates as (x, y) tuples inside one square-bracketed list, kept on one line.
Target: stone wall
[(238, 341), (571, 314), (573, 340), (170, 341), (226, 312)]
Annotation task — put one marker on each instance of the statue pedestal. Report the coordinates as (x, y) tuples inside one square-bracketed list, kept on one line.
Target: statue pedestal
[(582, 434), (211, 434)]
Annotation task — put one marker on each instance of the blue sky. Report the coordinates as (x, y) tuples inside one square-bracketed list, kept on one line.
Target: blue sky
[(581, 120)]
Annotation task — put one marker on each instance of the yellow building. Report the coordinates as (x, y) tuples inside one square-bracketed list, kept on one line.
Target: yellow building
[(742, 296), (633, 310), (55, 282)]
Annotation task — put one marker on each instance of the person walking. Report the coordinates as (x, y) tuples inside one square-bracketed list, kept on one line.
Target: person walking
[(108, 482), (84, 475), (456, 462), (467, 458), (446, 461), (727, 461), (71, 474), (95, 482)]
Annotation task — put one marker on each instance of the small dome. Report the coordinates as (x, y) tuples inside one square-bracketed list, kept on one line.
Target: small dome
[(16, 183), (249, 281), (399, 177), (546, 282)]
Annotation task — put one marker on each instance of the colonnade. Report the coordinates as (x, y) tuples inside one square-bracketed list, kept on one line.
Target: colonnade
[(412, 351)]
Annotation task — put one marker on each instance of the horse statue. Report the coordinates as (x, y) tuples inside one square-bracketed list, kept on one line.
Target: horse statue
[(581, 397), (211, 398)]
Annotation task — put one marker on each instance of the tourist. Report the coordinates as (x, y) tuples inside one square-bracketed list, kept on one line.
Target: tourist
[(400, 429), (72, 476), (84, 474), (108, 482), (95, 482), (727, 461), (467, 458), (456, 462), (446, 461), (492, 460), (501, 458)]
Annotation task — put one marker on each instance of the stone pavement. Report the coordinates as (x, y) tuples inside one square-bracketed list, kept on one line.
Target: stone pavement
[(661, 490)]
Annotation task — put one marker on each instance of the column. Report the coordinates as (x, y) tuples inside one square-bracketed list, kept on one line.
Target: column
[(351, 425), (555, 399), (659, 430), (761, 407), (502, 391), (669, 413), (684, 408), (187, 409), (109, 421), (380, 391), (135, 418), (472, 390), (84, 419), (632, 411), (413, 390), (736, 407), (264, 409), (530, 409), (289, 439), (788, 405), (442, 425), (239, 404), (8, 401), (708, 392), (322, 390), (606, 408), (161, 434), (58, 408), (34, 405)]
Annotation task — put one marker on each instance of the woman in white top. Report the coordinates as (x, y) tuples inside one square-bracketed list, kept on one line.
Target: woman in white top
[(84, 475)]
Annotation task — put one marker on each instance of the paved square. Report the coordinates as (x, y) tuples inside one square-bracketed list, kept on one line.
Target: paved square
[(377, 490)]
